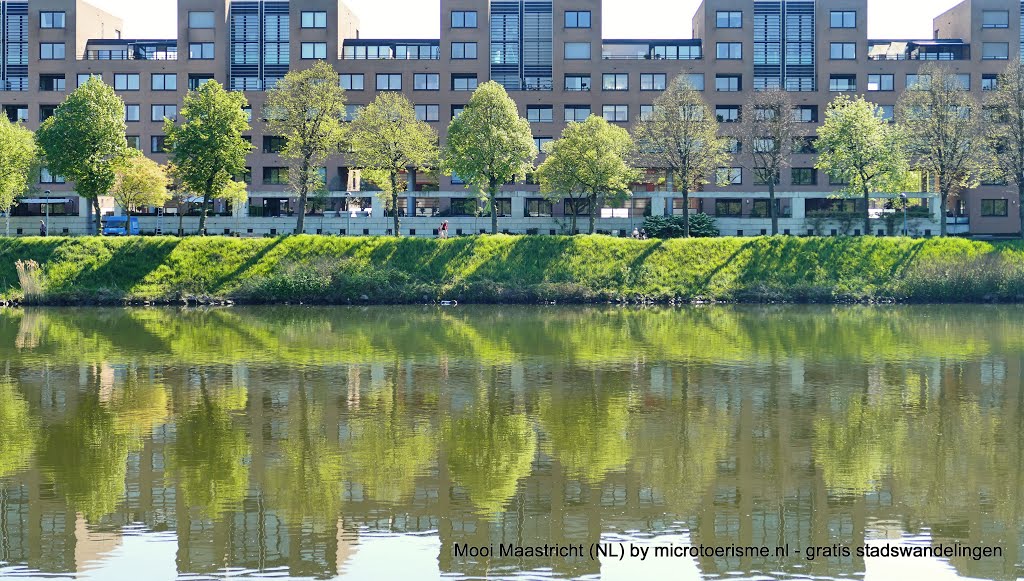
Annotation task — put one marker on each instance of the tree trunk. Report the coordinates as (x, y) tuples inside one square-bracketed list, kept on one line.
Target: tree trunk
[(394, 203), (494, 206), (593, 212), (99, 218), (181, 221), (128, 222), (686, 212), (202, 215), (300, 221), (772, 210), (943, 226), (867, 212), (1020, 206), (7, 224)]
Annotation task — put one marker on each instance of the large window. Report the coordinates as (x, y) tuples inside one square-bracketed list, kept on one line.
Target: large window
[(728, 83), (616, 113), (727, 113), (729, 176), (729, 50), (804, 176), (275, 176), (158, 144), (51, 20), (615, 82), (316, 19), (999, 51), (389, 82), (161, 112), (131, 113), (577, 19), (274, 143), (52, 83), (200, 20), (577, 82), (464, 82), (842, 83), (351, 82), (51, 51), (653, 81), (843, 19), (805, 113), (729, 19), (540, 114), (994, 208), (728, 208), (577, 51), (464, 19), (843, 51), (696, 81), (881, 83), (200, 50), (164, 82), (463, 50), (126, 82), (538, 208), (576, 113), (83, 78), (428, 112), (995, 19), (314, 50), (426, 82), (989, 82)]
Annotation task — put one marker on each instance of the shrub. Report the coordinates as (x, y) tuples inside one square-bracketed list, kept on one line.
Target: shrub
[(701, 226), (30, 276)]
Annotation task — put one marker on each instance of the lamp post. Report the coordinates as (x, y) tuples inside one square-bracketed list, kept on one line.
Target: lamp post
[(47, 204), (903, 197)]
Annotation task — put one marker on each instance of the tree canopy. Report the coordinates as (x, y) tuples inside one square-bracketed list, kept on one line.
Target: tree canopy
[(1005, 129), (19, 156), (769, 134), (138, 181)]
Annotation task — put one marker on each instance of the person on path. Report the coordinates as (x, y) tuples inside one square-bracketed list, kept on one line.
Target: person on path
[(42, 229), (444, 230)]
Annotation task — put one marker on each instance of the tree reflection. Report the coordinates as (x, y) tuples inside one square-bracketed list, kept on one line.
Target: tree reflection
[(19, 431), (587, 429)]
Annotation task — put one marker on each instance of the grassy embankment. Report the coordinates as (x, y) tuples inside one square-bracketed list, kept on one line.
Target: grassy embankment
[(514, 269)]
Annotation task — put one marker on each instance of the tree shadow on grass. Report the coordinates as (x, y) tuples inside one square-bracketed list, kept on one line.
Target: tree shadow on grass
[(130, 262), (14, 249), (250, 262)]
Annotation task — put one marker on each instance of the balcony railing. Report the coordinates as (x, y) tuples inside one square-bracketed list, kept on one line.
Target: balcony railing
[(129, 55), (943, 56)]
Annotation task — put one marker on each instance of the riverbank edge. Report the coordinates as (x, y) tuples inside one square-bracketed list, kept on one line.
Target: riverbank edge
[(509, 270)]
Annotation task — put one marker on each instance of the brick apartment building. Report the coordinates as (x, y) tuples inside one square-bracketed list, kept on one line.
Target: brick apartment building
[(549, 54)]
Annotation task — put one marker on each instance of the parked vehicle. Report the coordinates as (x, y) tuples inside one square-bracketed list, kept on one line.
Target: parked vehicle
[(120, 226)]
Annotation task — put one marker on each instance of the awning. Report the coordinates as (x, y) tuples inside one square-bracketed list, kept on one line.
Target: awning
[(44, 201)]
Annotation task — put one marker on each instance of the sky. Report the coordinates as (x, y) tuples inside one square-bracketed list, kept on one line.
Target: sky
[(623, 18)]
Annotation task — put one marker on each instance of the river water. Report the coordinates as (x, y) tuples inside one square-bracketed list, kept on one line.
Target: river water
[(406, 443)]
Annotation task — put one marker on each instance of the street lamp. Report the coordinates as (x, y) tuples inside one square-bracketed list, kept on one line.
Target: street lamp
[(903, 197), (47, 204)]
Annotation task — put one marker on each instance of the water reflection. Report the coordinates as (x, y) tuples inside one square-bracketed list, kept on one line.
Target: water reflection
[(305, 441)]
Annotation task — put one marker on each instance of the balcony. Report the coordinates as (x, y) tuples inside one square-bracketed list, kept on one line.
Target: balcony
[(130, 50), (400, 50), (652, 50), (920, 50)]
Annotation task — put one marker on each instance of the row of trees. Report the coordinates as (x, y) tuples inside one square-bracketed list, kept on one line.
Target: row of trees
[(941, 130)]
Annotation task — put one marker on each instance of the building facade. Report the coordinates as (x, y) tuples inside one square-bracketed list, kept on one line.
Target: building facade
[(552, 58)]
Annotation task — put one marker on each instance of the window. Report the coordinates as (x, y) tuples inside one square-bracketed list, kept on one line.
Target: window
[(733, 145), (200, 19), (463, 50), (457, 110), (652, 82), (616, 113), (464, 19), (729, 50), (577, 51), (881, 83), (615, 82), (126, 82), (804, 176), (806, 113), (540, 142), (844, 19), (804, 145), (761, 175), (426, 82), (248, 113), (51, 51), (888, 112), (133, 141), (994, 208), (729, 19), (52, 83), (730, 175), (727, 83), (843, 51), (998, 51), (989, 82), (463, 82), (539, 114), (51, 20), (196, 81), (729, 208), (274, 143), (389, 82), (158, 144), (646, 112), (352, 111), (46, 111), (314, 50), (131, 112), (275, 176), (841, 83), (576, 113), (84, 78), (45, 177), (200, 51), (919, 82), (728, 114), (963, 80), (316, 19), (163, 82), (351, 82), (159, 112), (428, 112), (577, 19), (995, 19), (696, 81), (577, 82), (538, 208)]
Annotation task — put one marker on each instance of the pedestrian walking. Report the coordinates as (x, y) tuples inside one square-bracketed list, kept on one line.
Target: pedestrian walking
[(42, 228), (636, 234), (444, 230)]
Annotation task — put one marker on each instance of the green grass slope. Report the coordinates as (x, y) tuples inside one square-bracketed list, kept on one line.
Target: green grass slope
[(515, 269)]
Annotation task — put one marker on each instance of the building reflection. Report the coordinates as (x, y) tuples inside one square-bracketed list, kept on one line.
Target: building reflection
[(289, 466)]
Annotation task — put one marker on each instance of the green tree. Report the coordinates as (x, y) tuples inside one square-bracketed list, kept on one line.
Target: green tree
[(489, 144), (307, 108), (19, 156), (1005, 128), (387, 139), (681, 137), (859, 147), (207, 150), (588, 163), (84, 138), (138, 181), (20, 434), (769, 133), (945, 137)]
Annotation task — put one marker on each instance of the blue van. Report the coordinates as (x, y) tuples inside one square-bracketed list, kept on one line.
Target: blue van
[(120, 226)]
